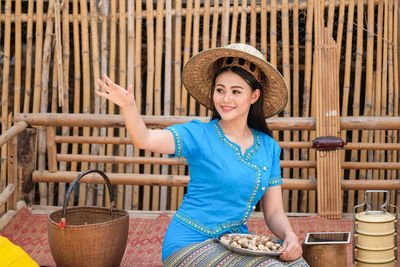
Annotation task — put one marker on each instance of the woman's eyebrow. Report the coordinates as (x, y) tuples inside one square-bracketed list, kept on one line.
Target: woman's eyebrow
[(235, 86)]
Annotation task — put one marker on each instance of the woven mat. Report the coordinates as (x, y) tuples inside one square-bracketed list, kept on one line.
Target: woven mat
[(29, 231)]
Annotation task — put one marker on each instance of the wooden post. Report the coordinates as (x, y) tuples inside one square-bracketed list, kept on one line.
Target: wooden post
[(27, 151)]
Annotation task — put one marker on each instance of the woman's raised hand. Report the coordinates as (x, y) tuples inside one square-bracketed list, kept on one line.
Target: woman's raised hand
[(116, 93)]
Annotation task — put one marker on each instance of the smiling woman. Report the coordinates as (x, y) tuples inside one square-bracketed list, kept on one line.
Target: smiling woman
[(233, 161)]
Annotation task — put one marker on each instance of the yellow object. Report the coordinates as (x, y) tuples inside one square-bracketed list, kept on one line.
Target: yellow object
[(14, 256)]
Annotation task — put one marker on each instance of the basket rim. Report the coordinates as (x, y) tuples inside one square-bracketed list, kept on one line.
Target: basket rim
[(125, 215)]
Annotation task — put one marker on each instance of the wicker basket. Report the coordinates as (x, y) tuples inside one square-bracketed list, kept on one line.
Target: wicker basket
[(88, 236)]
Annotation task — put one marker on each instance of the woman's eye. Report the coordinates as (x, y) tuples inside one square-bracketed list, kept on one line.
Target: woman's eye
[(236, 92), (219, 90)]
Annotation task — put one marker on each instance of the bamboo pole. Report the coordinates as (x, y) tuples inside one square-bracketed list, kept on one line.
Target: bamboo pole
[(307, 93), (4, 95), (179, 161), (112, 75), (166, 180), (195, 49), (104, 13), (303, 5), (243, 21), (368, 80), (189, 34), (264, 30), (377, 93), (17, 66), (0, 21), (292, 123), (181, 180), (206, 40), (356, 97), (138, 86), (214, 30), (59, 62), (38, 56), (77, 80), (65, 95), (50, 131), (130, 81), (396, 111), (28, 70), (44, 192), (295, 90), (235, 18), (292, 144), (347, 75), (149, 89), (381, 155), (331, 16), (86, 89), (253, 22), (167, 89), (206, 25), (95, 149), (286, 75), (390, 110), (178, 107), (339, 34), (224, 23), (155, 205), (16, 129), (122, 82)]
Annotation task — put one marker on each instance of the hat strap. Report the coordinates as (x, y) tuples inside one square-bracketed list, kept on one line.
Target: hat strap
[(244, 64)]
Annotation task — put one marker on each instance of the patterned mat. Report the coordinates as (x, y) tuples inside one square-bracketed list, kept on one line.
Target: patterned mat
[(29, 231)]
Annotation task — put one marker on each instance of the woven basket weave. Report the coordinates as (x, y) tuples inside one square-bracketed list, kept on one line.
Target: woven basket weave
[(88, 236)]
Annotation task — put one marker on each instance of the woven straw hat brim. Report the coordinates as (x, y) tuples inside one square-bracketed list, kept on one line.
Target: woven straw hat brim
[(198, 74)]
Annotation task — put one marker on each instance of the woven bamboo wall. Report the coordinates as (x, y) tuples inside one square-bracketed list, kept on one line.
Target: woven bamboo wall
[(52, 54)]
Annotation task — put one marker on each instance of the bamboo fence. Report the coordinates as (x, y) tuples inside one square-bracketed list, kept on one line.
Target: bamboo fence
[(53, 52)]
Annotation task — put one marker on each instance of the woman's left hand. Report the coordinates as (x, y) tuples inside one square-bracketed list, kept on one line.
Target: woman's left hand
[(291, 248)]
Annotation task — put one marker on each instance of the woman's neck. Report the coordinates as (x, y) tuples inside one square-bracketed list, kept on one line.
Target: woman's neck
[(234, 128)]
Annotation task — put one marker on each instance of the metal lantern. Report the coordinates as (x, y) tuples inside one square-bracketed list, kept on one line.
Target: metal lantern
[(375, 234)]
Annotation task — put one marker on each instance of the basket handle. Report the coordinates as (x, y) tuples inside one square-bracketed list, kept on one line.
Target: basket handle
[(62, 223)]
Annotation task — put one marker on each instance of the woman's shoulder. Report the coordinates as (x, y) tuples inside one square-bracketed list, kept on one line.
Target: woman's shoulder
[(267, 139)]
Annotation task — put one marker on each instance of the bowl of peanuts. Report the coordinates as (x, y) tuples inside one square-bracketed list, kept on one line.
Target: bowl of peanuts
[(251, 244)]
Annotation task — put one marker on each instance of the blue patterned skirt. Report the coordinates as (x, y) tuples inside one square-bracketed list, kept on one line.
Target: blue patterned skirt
[(212, 253)]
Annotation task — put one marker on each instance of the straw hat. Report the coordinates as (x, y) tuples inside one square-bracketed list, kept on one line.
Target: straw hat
[(198, 74)]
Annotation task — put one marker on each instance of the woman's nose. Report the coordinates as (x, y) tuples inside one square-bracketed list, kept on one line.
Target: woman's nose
[(227, 97)]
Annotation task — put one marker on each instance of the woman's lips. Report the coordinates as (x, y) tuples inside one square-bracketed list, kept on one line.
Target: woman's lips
[(227, 108)]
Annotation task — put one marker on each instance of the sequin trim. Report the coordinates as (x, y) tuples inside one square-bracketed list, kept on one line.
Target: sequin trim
[(274, 181), (178, 142)]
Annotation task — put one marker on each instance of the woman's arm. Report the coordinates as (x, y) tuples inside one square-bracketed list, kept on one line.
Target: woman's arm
[(161, 141), (279, 224)]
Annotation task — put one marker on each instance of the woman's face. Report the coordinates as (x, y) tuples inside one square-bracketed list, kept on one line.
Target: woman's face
[(233, 96)]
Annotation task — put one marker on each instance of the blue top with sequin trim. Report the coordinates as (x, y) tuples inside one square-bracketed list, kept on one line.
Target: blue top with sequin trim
[(224, 185)]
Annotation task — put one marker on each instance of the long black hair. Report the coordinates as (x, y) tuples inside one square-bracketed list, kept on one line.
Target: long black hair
[(255, 118)]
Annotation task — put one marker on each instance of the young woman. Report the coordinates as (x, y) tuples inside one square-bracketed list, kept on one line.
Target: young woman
[(233, 161)]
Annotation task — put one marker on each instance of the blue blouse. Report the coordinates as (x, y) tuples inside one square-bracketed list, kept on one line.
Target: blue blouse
[(224, 185)]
